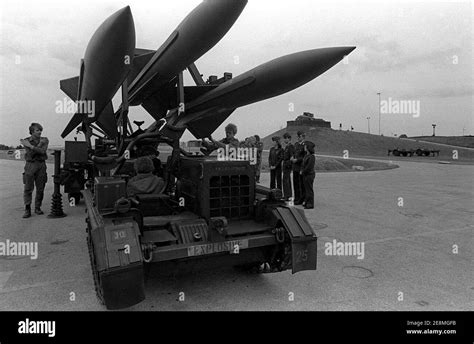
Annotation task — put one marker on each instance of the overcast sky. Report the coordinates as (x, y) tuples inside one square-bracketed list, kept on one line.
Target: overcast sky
[(411, 51)]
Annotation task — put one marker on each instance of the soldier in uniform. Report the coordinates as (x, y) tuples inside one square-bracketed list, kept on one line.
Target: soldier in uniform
[(274, 162), (145, 182), (35, 168), (308, 174), (297, 162), (230, 132), (288, 153), (259, 146)]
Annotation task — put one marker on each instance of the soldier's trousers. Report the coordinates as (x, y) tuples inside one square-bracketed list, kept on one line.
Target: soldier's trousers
[(275, 178), (34, 175), (302, 188), (257, 171), (297, 185), (308, 182), (287, 192)]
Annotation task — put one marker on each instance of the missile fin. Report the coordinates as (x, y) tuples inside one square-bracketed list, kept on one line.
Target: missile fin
[(154, 58), (73, 123), (207, 123), (165, 98), (70, 86), (139, 62), (234, 85), (156, 107), (106, 121), (132, 96), (139, 51)]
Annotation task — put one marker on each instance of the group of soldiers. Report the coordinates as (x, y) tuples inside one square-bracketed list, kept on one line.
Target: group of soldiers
[(230, 139), (297, 158)]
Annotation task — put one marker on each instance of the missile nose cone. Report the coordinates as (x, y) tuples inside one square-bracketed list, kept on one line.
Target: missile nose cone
[(124, 12), (350, 49), (327, 55), (123, 17), (340, 52), (344, 50), (312, 63)]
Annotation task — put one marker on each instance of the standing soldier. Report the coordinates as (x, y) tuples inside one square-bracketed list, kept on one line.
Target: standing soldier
[(230, 132), (250, 144), (274, 161), (288, 153), (35, 168), (308, 174), (297, 162), (259, 145)]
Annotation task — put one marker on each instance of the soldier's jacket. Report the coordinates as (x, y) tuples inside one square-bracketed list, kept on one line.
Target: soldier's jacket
[(246, 144), (144, 183), (38, 152), (299, 156), (307, 168), (276, 157), (231, 142), (288, 153), (259, 146)]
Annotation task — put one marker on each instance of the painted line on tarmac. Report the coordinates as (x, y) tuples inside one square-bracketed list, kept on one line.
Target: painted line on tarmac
[(419, 234), (36, 285), (4, 277)]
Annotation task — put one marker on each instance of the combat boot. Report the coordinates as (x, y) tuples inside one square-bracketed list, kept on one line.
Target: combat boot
[(38, 211), (27, 213)]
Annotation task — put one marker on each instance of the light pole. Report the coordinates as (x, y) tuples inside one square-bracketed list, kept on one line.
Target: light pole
[(368, 125), (379, 93), (434, 126)]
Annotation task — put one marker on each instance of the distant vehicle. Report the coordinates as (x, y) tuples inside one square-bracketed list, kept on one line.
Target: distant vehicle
[(194, 147), (411, 152), (10, 152)]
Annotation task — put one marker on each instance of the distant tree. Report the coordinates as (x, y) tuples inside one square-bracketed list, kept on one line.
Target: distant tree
[(403, 136), (5, 147), (19, 147)]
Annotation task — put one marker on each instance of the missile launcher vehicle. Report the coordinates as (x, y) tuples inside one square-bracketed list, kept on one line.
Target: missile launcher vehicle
[(210, 212)]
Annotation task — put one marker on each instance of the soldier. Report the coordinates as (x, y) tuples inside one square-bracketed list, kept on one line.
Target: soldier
[(145, 182), (274, 161), (288, 153), (230, 132), (35, 168), (297, 162), (308, 174), (251, 144), (259, 145)]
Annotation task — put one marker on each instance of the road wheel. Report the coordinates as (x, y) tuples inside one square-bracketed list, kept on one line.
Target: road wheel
[(95, 273)]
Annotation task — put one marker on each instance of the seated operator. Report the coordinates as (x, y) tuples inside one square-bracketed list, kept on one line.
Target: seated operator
[(145, 182)]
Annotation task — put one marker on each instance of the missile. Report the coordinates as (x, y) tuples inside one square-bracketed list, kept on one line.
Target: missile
[(107, 61), (271, 79), (268, 80), (194, 36)]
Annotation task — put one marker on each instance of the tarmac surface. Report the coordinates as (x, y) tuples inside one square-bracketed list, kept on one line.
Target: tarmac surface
[(416, 224)]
